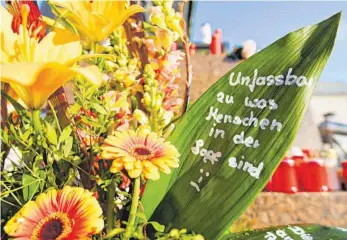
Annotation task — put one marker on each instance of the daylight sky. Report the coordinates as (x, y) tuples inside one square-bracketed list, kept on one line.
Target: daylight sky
[(265, 22)]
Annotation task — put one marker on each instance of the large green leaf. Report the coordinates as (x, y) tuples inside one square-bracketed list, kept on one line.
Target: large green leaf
[(227, 191), (301, 232)]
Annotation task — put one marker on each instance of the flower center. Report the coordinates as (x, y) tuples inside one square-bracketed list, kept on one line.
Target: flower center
[(55, 226), (52, 229), (142, 153)]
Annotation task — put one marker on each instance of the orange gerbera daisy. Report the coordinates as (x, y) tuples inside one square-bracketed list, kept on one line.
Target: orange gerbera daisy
[(70, 213), (140, 152)]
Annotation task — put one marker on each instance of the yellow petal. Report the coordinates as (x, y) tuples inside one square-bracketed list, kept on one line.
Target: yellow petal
[(25, 77), (90, 73), (59, 46), (134, 173), (153, 175), (8, 37), (125, 14), (35, 82)]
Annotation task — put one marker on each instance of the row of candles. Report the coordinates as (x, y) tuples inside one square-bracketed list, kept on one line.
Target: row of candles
[(305, 171)]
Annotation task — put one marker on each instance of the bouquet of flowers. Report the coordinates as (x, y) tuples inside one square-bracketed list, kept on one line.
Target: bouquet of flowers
[(89, 168)]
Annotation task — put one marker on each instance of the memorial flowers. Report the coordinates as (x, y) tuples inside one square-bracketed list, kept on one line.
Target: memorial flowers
[(70, 213), (116, 159), (140, 152), (44, 65), (95, 20)]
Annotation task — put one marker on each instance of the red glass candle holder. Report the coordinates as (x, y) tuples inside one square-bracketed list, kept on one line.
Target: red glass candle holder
[(192, 49), (285, 179), (216, 45), (344, 172), (299, 160), (314, 176)]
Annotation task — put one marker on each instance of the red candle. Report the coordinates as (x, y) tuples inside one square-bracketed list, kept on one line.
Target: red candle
[(299, 160), (192, 49), (344, 172), (285, 179), (314, 176), (216, 45)]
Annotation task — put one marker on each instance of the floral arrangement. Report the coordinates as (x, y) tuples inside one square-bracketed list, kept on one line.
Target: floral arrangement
[(82, 168), (88, 168)]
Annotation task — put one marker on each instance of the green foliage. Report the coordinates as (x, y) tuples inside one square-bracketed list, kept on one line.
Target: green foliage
[(32, 184), (226, 192), (51, 134), (42, 160)]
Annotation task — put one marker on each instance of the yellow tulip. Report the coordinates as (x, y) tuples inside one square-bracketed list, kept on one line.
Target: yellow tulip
[(95, 20), (35, 70)]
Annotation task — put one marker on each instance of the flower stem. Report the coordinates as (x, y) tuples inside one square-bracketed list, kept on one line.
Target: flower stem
[(37, 121), (133, 209), (110, 205), (154, 121)]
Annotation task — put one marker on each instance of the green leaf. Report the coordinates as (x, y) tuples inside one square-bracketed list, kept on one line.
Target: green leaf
[(68, 146), (225, 188), (99, 108), (301, 232), (71, 177), (157, 226), (90, 122), (25, 136), (65, 134), (51, 177), (14, 103), (32, 185), (74, 109), (51, 134)]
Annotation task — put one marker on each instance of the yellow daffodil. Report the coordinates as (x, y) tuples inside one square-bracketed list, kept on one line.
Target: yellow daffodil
[(70, 213), (35, 69), (140, 152), (95, 20)]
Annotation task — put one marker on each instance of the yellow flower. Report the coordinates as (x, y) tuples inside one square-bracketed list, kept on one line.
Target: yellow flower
[(36, 69), (70, 213), (140, 152), (95, 20)]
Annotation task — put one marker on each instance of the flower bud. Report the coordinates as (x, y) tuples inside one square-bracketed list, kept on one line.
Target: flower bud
[(129, 80), (149, 72), (157, 104), (183, 231), (147, 88), (167, 41), (158, 2), (147, 99), (140, 116), (132, 64), (199, 237), (119, 74), (122, 61), (116, 48), (169, 12), (110, 66), (158, 19), (109, 49), (167, 4), (174, 233), (174, 23)]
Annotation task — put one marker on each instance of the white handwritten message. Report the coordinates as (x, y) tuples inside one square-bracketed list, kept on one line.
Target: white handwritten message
[(216, 117), (285, 235)]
